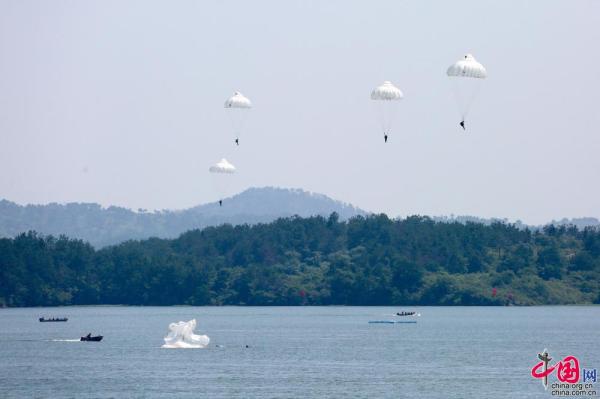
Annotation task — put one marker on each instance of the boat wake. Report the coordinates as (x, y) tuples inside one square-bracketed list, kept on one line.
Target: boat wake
[(66, 340)]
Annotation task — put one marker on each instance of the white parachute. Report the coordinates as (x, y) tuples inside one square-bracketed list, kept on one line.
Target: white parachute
[(466, 75), (223, 166), (181, 335), (222, 175), (386, 98), (237, 108)]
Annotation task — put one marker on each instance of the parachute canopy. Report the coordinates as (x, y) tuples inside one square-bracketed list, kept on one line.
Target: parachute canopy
[(223, 166), (238, 100), (386, 92), (468, 67)]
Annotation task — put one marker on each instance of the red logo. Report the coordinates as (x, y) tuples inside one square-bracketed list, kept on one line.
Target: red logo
[(567, 370)]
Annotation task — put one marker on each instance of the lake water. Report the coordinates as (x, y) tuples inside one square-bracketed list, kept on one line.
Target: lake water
[(294, 352)]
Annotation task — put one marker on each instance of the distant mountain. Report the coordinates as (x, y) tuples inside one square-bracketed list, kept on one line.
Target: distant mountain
[(106, 226)]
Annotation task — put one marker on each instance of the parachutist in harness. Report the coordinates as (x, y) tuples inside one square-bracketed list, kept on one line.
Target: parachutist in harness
[(462, 124), (237, 141), (220, 202), (385, 137)]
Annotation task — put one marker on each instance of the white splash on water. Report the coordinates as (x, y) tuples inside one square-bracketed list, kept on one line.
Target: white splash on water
[(181, 336)]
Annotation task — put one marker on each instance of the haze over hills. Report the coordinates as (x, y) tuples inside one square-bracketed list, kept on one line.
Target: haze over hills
[(580, 223), (106, 226)]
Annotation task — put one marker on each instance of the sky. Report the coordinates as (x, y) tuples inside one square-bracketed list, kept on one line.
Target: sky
[(121, 103)]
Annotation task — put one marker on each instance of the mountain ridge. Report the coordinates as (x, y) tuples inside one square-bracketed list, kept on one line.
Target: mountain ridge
[(102, 226)]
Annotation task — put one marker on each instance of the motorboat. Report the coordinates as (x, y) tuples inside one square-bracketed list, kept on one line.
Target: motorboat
[(52, 319), (92, 338), (406, 313)]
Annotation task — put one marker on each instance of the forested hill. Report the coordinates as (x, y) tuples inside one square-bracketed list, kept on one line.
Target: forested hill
[(106, 226), (318, 261)]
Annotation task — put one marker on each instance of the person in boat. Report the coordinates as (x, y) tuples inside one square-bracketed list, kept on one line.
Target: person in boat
[(89, 336), (462, 124), (237, 141), (385, 137), (220, 202)]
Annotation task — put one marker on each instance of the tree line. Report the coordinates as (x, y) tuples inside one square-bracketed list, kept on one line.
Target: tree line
[(370, 260)]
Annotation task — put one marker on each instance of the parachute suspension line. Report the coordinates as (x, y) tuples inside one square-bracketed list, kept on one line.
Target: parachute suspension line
[(465, 91), (457, 99), (389, 110)]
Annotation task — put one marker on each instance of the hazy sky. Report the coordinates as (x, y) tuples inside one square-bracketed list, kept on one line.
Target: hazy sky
[(121, 102)]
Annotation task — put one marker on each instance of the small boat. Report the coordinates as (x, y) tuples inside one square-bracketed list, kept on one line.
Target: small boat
[(90, 338), (52, 319), (392, 322), (406, 313)]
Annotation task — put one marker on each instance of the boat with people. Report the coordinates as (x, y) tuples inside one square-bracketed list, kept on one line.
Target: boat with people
[(91, 338), (52, 319), (406, 313)]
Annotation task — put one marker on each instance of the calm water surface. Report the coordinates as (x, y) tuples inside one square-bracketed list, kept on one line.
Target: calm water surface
[(295, 352)]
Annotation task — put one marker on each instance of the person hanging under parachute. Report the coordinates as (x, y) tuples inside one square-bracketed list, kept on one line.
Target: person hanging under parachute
[(237, 108), (466, 75), (222, 175), (385, 98)]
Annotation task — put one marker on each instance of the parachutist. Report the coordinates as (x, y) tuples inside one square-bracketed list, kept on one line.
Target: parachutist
[(467, 75), (237, 108), (386, 98), (220, 202)]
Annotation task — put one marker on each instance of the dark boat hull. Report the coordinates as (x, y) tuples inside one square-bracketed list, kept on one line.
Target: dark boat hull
[(92, 339), (43, 320)]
